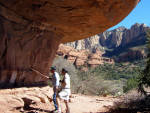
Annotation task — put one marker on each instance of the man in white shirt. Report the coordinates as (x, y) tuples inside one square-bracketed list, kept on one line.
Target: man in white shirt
[(65, 92), (55, 83)]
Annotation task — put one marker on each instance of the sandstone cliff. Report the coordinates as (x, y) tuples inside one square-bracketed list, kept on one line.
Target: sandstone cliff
[(114, 38), (87, 43), (122, 36)]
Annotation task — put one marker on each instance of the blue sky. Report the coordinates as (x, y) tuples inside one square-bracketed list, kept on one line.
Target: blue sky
[(140, 14)]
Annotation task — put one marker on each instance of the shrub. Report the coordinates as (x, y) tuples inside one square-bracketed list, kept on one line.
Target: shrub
[(131, 83)]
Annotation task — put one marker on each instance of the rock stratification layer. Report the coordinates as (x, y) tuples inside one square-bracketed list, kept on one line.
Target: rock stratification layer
[(31, 30)]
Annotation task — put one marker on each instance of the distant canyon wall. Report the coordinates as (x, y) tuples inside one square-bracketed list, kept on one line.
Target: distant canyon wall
[(112, 39)]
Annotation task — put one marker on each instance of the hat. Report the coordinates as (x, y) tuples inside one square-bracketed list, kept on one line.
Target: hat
[(64, 70), (53, 68)]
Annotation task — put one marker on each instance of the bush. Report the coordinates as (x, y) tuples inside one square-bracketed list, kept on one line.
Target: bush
[(96, 85), (127, 74), (131, 83)]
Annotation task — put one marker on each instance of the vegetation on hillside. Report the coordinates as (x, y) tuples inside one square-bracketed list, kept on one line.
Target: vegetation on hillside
[(121, 77), (107, 79), (144, 79)]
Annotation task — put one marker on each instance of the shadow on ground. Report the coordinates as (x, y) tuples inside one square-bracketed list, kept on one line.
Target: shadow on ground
[(32, 110), (134, 106), (141, 105)]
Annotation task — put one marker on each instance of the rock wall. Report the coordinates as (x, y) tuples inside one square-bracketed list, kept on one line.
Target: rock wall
[(87, 43), (24, 47), (31, 30)]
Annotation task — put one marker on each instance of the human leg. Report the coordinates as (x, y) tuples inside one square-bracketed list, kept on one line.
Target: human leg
[(59, 104), (64, 95), (67, 106), (55, 101)]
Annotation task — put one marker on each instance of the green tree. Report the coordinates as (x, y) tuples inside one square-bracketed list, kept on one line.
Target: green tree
[(144, 80)]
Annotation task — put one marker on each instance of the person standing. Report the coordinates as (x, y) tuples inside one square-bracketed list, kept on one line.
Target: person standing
[(65, 92), (55, 82)]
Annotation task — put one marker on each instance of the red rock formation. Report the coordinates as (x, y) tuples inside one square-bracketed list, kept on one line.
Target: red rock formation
[(63, 50), (83, 57), (71, 59), (31, 30), (95, 59)]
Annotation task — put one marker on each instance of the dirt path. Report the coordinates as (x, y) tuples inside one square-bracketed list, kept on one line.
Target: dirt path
[(12, 101)]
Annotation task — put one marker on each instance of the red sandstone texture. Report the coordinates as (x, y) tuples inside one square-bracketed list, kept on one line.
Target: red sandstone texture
[(82, 57)]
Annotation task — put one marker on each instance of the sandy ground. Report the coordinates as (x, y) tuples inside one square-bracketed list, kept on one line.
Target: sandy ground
[(11, 101)]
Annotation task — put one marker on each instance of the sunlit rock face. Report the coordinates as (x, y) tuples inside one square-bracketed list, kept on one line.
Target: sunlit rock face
[(31, 30), (82, 58)]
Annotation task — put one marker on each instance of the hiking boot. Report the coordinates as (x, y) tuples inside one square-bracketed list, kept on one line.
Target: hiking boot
[(57, 111)]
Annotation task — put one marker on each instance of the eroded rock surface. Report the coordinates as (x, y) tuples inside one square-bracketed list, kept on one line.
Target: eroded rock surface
[(83, 57), (31, 30)]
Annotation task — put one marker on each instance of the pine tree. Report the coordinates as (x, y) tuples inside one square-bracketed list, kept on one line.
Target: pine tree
[(144, 80)]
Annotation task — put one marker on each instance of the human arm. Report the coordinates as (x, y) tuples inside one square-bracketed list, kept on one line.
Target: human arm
[(40, 73)]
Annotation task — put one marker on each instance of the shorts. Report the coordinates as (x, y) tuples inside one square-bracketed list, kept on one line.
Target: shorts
[(64, 94)]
